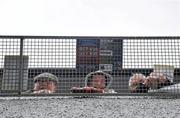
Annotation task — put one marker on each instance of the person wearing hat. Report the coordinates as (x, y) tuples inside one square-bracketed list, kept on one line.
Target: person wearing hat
[(45, 83), (96, 82)]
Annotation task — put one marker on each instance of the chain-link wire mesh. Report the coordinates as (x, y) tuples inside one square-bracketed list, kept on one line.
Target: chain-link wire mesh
[(89, 65)]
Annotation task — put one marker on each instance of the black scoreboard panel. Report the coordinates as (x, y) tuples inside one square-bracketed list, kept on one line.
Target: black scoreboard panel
[(95, 54), (87, 56)]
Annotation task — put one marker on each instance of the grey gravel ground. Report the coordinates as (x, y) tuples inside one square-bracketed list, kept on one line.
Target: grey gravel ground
[(104, 107)]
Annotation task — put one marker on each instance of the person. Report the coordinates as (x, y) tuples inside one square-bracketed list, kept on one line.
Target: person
[(98, 81), (157, 80), (138, 83), (95, 82), (45, 83), (95, 85)]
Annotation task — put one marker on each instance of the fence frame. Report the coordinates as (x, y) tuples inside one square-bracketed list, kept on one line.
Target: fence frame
[(22, 38)]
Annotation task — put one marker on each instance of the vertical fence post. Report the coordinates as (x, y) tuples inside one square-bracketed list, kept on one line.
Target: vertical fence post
[(21, 66), (121, 54)]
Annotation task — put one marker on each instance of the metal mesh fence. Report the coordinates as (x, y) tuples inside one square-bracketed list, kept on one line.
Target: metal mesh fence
[(40, 65)]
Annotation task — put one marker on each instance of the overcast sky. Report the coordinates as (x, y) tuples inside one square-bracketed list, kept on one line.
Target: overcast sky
[(90, 17)]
